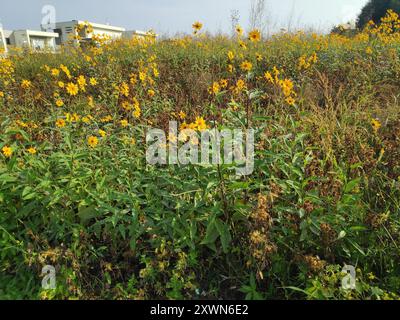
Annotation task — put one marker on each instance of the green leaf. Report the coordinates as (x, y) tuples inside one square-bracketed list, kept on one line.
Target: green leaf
[(87, 213), (351, 185), (211, 233), (224, 234)]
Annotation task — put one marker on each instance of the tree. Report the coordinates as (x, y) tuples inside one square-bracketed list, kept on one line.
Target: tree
[(375, 10)]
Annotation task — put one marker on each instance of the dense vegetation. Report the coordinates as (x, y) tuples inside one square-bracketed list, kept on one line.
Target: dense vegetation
[(76, 191)]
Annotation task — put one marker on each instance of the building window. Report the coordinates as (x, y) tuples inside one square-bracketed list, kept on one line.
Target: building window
[(58, 40)]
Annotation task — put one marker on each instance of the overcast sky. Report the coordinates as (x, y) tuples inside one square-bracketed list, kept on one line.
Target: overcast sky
[(171, 16)]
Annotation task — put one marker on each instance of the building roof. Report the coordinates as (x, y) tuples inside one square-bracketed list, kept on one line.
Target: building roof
[(39, 33), (7, 33), (139, 33), (94, 25)]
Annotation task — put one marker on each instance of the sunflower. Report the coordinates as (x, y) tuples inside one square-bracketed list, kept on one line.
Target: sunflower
[(290, 101), (246, 66), (200, 124), (31, 150), (102, 133), (240, 85), (223, 83), (60, 123), (376, 125), (7, 151), (255, 35), (72, 89), (26, 84), (182, 115), (239, 30), (59, 103), (93, 81), (124, 123), (93, 141), (197, 26), (215, 88), (137, 112), (82, 83), (268, 77), (55, 72)]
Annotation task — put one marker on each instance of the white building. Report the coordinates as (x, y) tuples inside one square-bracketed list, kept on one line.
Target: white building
[(7, 35), (137, 33), (3, 43), (69, 31), (34, 40)]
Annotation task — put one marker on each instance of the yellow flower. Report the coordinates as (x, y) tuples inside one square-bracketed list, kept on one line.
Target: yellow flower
[(142, 76), (55, 72), (156, 72), (197, 26), (1, 94), (106, 119), (246, 66), (255, 35), (239, 30), (7, 151), (231, 55), (26, 84), (31, 150), (61, 84), (93, 81), (93, 141), (60, 123), (124, 123), (268, 77), (66, 71), (182, 115), (124, 89), (137, 113), (102, 133), (369, 50), (376, 125), (59, 103), (242, 45), (290, 101), (259, 57), (215, 88), (200, 124), (133, 79), (223, 83), (72, 89), (82, 83), (240, 85), (151, 93)]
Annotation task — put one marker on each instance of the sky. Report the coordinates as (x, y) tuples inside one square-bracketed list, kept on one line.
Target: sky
[(172, 16)]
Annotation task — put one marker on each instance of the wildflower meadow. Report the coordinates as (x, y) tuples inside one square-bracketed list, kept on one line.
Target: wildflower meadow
[(78, 193)]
